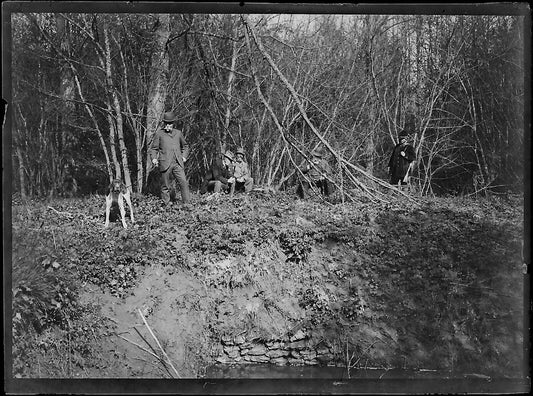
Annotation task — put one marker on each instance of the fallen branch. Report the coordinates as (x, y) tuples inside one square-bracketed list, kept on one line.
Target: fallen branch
[(167, 373), (321, 173), (141, 347), (267, 105), (147, 351), (302, 111), (278, 125), (61, 213), (488, 188), (157, 341), (146, 341), (363, 353)]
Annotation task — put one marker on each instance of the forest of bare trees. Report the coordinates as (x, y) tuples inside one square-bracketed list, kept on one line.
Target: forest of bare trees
[(89, 91)]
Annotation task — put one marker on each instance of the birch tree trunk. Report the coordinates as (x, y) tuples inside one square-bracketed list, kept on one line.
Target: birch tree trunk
[(134, 123), (117, 109), (95, 123), (158, 82), (231, 78), (63, 51), (112, 144)]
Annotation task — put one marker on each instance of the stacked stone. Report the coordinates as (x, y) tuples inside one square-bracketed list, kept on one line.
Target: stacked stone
[(296, 350)]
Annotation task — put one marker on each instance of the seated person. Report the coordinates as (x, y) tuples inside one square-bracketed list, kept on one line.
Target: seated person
[(242, 177), (218, 178), (316, 173)]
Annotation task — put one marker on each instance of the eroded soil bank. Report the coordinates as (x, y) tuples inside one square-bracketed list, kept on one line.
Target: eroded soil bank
[(247, 280)]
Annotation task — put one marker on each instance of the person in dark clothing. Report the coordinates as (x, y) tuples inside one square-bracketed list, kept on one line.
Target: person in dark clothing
[(169, 151), (316, 172), (401, 158), (219, 175)]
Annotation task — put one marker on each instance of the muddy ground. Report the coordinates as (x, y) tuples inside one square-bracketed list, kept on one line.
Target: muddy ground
[(437, 285)]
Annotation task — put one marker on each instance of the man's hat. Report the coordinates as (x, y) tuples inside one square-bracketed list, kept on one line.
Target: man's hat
[(229, 155), (240, 151), (169, 117), (403, 134), (317, 153)]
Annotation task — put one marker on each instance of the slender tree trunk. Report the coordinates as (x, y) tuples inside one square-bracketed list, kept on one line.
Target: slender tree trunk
[(21, 171), (370, 147), (134, 123), (66, 91), (255, 153), (370, 27), (19, 149), (139, 143), (112, 143), (95, 123), (158, 82), (231, 78), (118, 111), (210, 99)]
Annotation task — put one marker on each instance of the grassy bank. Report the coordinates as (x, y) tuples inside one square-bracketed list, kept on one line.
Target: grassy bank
[(436, 286)]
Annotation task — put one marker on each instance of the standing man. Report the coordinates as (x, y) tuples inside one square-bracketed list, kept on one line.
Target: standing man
[(242, 179), (317, 172), (400, 161), (169, 150)]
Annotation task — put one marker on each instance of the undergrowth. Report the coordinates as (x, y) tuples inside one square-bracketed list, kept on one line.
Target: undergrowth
[(436, 285)]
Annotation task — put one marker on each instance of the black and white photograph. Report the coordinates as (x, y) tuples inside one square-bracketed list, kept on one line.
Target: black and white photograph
[(266, 198)]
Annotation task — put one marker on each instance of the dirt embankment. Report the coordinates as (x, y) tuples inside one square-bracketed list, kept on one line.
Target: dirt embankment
[(268, 279)]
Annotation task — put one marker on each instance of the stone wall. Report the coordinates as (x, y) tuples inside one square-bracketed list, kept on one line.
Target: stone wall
[(296, 350)]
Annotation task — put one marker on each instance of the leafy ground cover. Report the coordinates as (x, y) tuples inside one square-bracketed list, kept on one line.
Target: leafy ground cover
[(437, 285)]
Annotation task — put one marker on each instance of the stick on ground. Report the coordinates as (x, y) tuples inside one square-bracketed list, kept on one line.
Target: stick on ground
[(158, 344)]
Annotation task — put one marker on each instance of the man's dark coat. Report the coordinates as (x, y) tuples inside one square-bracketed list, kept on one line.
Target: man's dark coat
[(169, 148), (218, 172), (399, 164)]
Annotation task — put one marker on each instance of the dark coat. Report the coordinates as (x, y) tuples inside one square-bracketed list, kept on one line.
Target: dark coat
[(317, 171), (218, 172), (169, 148), (399, 164)]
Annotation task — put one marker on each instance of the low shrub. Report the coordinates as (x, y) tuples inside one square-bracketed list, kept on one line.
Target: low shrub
[(296, 244), (118, 275)]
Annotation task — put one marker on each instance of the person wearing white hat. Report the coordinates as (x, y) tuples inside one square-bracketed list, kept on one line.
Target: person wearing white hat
[(169, 151), (242, 179)]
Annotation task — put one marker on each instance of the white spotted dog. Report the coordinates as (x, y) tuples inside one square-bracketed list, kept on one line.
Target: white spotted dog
[(116, 196)]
